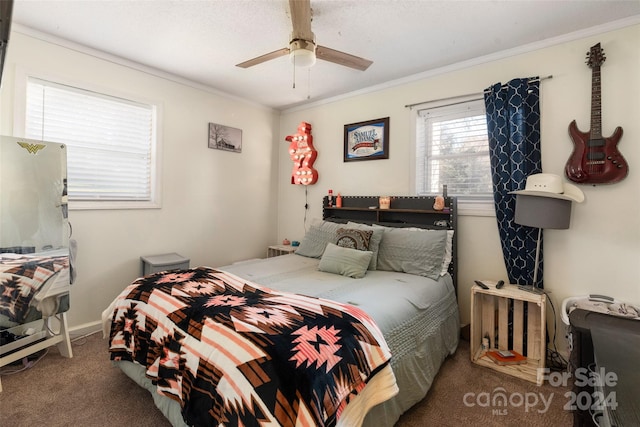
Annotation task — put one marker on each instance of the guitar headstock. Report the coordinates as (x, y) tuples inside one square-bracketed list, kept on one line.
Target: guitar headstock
[(595, 56)]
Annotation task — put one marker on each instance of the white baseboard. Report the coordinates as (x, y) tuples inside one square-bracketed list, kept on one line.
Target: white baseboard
[(85, 329)]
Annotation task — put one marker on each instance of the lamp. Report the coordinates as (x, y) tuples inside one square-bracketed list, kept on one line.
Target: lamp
[(302, 53), (545, 203)]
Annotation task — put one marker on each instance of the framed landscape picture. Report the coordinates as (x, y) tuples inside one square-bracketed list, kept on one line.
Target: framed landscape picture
[(367, 140), (225, 138)]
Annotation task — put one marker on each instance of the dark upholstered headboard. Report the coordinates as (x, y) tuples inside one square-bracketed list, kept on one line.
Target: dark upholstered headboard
[(404, 211)]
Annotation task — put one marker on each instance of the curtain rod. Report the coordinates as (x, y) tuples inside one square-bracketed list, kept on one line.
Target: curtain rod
[(451, 98)]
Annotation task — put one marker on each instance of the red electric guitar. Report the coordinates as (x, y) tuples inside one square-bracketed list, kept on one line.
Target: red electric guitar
[(595, 159)]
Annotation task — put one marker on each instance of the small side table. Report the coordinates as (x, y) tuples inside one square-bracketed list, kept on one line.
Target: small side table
[(164, 262), (490, 316), (277, 250)]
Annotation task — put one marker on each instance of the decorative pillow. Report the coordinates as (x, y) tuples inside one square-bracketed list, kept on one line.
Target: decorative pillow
[(414, 252), (345, 261), (354, 238), (316, 239), (374, 243)]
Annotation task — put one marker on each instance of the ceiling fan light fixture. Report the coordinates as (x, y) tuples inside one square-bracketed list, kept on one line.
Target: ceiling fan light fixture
[(302, 49), (302, 53), (302, 58)]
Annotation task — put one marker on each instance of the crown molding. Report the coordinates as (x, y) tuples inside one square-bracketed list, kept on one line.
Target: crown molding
[(78, 47), (565, 38)]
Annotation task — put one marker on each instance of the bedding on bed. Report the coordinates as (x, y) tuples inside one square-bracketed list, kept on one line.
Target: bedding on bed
[(296, 360), (418, 317), (398, 277), (424, 252)]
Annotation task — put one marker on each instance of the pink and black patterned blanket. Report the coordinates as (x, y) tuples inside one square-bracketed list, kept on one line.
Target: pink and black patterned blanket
[(235, 353), (20, 280)]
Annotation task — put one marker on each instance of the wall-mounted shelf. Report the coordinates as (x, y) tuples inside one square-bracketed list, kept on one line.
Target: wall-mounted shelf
[(404, 211), (421, 211)]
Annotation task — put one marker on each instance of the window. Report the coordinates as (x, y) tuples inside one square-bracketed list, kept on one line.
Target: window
[(452, 149), (111, 155)]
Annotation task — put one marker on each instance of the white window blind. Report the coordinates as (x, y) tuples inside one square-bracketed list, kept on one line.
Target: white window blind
[(452, 149), (110, 140)]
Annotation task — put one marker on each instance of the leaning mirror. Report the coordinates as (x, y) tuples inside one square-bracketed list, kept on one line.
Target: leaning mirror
[(34, 243)]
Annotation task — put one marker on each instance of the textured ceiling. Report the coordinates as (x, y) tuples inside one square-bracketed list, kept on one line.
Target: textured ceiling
[(203, 40)]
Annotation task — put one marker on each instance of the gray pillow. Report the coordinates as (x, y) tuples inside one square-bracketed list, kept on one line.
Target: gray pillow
[(374, 243), (316, 239), (345, 261), (414, 252), (448, 249)]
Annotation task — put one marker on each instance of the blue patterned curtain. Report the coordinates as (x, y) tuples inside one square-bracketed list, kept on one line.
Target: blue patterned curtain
[(513, 123)]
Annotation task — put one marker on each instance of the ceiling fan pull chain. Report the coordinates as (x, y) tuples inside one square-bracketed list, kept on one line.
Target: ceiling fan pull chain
[(294, 72)]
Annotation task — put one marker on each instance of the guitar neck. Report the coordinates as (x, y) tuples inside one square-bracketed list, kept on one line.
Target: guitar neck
[(596, 104)]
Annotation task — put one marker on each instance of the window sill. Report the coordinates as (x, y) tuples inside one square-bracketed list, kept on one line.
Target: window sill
[(476, 208), (111, 205)]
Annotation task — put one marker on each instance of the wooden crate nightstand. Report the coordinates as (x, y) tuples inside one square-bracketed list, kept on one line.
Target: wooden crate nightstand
[(277, 250), (490, 317)]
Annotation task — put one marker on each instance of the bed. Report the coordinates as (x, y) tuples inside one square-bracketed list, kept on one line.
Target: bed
[(384, 280)]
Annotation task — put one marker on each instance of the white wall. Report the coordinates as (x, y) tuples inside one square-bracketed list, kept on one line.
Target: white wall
[(600, 253), (217, 206)]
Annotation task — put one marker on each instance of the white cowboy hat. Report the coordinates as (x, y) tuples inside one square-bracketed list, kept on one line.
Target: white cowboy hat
[(550, 185)]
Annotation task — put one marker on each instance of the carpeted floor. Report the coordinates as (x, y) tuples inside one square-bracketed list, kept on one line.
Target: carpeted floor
[(87, 391)]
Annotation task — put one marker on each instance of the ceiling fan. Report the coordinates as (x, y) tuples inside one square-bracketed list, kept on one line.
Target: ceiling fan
[(302, 47)]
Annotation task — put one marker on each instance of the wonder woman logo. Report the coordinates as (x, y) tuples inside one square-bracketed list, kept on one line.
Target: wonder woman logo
[(31, 148)]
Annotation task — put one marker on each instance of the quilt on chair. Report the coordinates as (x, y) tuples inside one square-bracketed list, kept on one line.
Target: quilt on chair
[(236, 353), (21, 278)]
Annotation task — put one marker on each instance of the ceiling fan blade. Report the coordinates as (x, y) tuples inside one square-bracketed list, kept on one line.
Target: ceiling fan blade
[(301, 19), (264, 58), (341, 58)]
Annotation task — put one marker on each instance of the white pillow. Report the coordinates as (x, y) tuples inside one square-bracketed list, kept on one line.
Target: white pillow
[(448, 253)]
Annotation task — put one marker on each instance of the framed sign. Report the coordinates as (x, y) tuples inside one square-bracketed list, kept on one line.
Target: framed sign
[(223, 137), (367, 140)]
